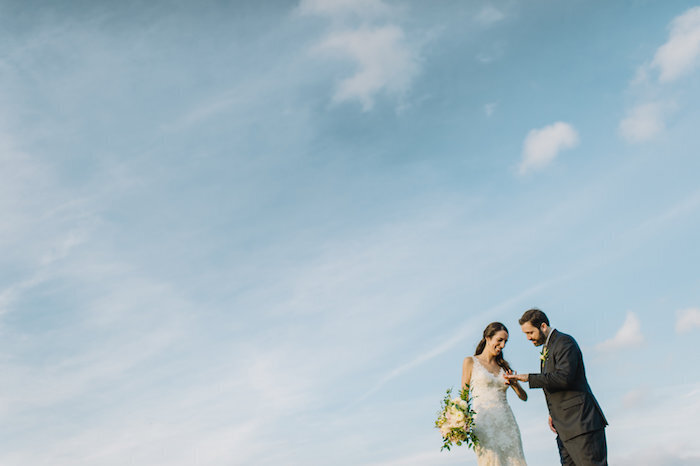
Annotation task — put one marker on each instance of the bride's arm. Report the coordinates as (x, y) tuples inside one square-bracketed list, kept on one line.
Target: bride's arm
[(520, 391), (467, 366)]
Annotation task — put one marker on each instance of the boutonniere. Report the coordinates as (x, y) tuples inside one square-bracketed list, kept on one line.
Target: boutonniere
[(544, 354)]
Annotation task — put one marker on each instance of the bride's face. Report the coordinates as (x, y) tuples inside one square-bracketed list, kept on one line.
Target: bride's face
[(497, 342)]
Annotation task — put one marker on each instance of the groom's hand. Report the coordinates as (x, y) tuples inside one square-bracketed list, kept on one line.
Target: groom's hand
[(515, 376), (551, 426)]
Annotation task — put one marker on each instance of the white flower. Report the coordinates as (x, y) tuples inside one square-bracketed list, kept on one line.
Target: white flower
[(455, 417), (455, 421)]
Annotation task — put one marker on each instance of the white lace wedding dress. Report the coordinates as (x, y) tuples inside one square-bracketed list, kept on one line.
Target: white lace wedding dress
[(494, 423)]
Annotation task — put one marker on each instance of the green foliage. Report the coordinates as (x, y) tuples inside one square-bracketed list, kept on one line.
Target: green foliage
[(456, 420)]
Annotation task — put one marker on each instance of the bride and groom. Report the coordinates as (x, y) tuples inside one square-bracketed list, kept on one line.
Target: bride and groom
[(575, 415)]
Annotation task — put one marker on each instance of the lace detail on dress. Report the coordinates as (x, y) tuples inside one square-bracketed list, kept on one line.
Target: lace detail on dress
[(494, 423)]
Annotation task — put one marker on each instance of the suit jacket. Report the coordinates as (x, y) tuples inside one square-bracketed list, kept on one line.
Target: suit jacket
[(571, 403)]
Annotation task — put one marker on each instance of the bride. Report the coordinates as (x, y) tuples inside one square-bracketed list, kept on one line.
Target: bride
[(494, 423)]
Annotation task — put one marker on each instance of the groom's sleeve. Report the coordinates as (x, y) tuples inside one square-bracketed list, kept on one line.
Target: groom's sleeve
[(565, 368)]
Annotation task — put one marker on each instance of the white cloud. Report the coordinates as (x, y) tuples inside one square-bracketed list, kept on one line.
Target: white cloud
[(384, 60), (361, 31), (541, 146), (339, 9), (629, 335), (489, 15), (490, 108), (680, 53), (687, 319), (675, 58), (643, 122)]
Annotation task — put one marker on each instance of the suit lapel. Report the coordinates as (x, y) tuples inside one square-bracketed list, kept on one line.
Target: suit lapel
[(547, 347), (542, 361)]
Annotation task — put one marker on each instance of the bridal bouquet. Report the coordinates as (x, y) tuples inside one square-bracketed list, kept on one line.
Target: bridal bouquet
[(456, 420)]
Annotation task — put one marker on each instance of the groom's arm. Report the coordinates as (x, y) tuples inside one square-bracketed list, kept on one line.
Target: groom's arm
[(565, 370)]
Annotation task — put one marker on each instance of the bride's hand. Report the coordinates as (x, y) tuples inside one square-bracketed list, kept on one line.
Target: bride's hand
[(505, 374), (516, 376)]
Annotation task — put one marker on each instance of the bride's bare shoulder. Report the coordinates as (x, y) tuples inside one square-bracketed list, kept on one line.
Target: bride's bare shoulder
[(468, 361)]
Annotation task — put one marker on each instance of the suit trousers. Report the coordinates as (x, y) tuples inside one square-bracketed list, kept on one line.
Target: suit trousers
[(589, 449)]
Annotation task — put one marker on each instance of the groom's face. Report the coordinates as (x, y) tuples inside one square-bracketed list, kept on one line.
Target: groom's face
[(534, 334)]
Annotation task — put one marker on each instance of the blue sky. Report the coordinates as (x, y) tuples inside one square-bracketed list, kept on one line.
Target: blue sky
[(269, 232)]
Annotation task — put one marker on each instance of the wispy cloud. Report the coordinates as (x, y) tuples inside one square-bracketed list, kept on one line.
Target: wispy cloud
[(676, 58), (163, 281), (340, 9), (687, 320), (666, 218), (44, 223), (490, 108), (489, 15), (643, 122), (679, 55), (386, 62), (542, 146), (629, 335), (465, 329), (676, 408)]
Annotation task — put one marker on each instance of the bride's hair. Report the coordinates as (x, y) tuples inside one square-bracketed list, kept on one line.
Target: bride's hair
[(490, 330)]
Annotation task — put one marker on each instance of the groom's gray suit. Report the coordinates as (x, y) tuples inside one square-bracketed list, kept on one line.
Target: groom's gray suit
[(575, 413)]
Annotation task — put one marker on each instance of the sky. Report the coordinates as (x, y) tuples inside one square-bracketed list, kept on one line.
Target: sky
[(256, 233)]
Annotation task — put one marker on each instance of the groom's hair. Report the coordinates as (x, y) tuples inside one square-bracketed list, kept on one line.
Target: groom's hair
[(535, 317)]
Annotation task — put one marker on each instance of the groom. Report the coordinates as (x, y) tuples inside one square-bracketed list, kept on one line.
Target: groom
[(574, 413)]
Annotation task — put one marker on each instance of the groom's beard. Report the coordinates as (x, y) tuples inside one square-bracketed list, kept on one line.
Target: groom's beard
[(541, 338)]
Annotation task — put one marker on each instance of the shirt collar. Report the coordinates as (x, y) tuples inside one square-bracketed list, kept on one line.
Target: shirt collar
[(546, 343)]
